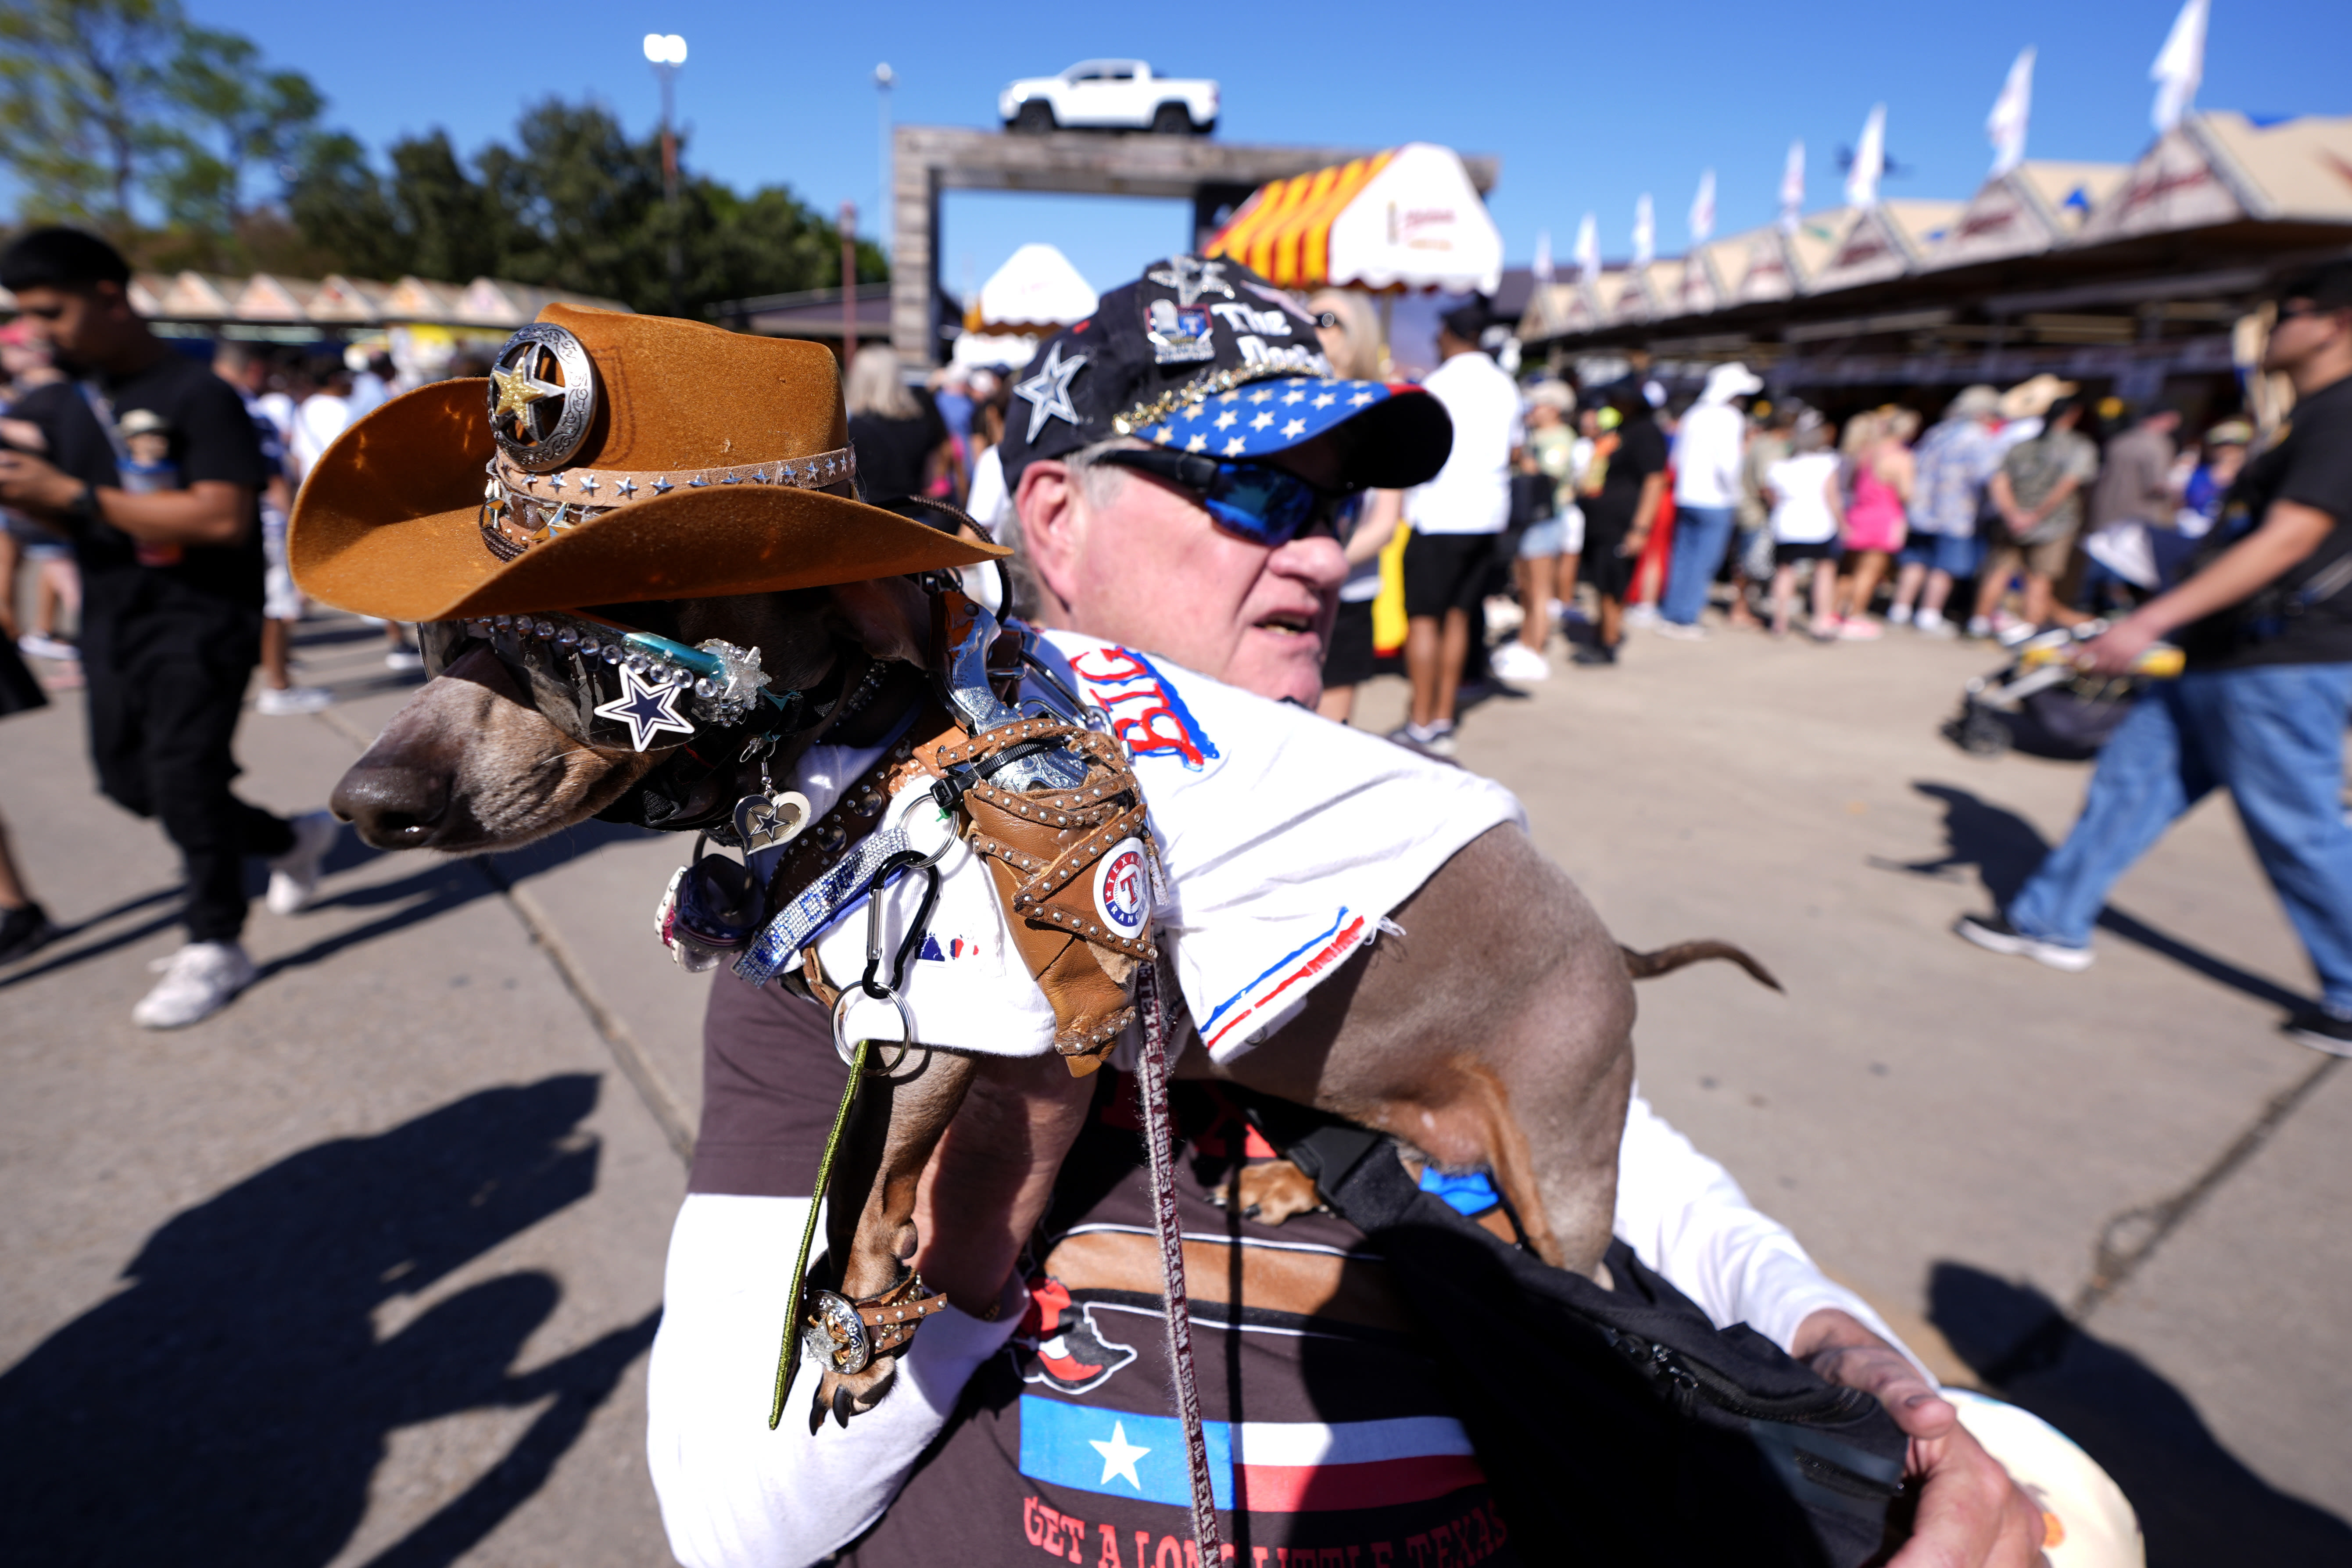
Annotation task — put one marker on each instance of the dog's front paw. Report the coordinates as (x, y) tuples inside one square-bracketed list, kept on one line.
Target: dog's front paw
[(842, 1397)]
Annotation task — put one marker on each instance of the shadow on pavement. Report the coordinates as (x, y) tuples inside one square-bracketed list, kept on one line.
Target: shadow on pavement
[(2005, 848), (232, 1403), (53, 960), (443, 883), (2197, 1504)]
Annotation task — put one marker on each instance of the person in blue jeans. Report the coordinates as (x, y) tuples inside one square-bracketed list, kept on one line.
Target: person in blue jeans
[(1707, 446), (2260, 710)]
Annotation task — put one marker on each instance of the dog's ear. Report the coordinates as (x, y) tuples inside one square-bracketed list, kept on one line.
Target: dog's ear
[(890, 616)]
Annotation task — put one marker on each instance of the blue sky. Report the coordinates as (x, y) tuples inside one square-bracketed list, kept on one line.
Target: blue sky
[(1587, 105)]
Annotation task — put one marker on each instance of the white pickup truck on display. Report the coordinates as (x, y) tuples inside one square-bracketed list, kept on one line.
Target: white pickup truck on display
[(1109, 95)]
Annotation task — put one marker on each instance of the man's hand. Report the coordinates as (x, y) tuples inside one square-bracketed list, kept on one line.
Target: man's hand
[(1971, 1515), (2114, 651), (1634, 542), (31, 484)]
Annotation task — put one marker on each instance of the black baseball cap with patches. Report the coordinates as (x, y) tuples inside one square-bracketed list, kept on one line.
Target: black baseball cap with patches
[(1203, 356)]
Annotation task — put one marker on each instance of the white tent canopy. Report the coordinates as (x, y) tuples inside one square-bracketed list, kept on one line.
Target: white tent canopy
[(1036, 291)]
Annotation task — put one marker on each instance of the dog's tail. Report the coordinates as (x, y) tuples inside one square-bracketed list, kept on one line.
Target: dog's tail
[(1666, 960)]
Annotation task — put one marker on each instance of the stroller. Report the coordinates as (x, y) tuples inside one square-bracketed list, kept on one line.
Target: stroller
[(2041, 705)]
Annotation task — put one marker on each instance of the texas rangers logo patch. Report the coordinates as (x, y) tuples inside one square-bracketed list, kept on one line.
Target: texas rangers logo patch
[(1123, 889)]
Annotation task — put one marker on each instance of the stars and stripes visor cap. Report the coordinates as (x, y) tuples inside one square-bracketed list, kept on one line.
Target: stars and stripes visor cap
[(1205, 356)]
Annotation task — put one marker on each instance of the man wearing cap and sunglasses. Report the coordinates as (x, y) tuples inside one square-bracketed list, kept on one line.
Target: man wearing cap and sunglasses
[(1182, 476)]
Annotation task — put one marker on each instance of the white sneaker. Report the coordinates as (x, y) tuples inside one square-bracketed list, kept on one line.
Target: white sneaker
[(1641, 615), (198, 980), (294, 876), (41, 644), (1979, 627), (1898, 614), (1681, 633), (1994, 933), (280, 702), (1516, 661)]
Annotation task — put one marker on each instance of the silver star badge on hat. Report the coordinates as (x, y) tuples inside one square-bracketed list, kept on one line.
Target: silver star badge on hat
[(1047, 392)]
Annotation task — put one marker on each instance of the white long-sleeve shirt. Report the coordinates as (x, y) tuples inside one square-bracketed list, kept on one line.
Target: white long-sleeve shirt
[(733, 1493)]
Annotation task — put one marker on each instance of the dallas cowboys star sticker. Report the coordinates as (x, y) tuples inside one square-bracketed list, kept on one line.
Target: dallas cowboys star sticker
[(646, 709), (1047, 392)]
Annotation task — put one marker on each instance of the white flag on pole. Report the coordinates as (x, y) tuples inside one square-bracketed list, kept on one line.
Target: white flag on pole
[(2005, 126), (1587, 250), (1869, 160), (1645, 231), (1541, 265), (2180, 65), (1702, 213), (1793, 188)]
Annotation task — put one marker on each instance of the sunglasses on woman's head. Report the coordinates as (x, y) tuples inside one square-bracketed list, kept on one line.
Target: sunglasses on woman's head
[(1265, 505)]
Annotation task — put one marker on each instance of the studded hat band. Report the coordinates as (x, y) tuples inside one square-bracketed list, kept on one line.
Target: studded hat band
[(520, 509)]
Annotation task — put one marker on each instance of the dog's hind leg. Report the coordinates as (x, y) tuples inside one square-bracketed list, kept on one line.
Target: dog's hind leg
[(870, 1214)]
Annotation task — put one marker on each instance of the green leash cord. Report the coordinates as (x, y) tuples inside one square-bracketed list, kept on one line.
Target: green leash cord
[(789, 1355)]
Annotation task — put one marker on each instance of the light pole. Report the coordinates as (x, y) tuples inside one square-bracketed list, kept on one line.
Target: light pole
[(848, 223), (665, 52), (885, 78)]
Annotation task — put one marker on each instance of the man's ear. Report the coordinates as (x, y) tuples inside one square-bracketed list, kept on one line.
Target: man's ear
[(1052, 525)]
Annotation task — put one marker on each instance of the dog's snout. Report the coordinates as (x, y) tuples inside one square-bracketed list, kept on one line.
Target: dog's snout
[(394, 806)]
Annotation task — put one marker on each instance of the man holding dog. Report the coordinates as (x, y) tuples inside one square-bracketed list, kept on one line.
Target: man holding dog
[(1227, 566)]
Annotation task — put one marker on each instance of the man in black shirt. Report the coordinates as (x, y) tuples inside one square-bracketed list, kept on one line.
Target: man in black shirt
[(2266, 622), (153, 467)]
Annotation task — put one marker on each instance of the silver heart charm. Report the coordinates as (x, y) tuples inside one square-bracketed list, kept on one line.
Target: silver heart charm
[(764, 821)]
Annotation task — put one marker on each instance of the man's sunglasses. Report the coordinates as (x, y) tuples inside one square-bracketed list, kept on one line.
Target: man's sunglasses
[(1265, 505)]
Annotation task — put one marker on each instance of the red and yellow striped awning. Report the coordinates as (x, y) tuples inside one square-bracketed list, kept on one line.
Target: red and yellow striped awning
[(1283, 233)]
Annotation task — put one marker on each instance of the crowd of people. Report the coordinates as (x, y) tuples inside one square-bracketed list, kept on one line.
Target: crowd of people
[(1747, 499)]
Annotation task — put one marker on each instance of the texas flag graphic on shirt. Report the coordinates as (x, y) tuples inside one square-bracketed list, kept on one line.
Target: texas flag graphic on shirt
[(1265, 1467)]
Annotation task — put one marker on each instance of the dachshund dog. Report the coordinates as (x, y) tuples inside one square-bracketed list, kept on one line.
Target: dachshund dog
[(1495, 1034)]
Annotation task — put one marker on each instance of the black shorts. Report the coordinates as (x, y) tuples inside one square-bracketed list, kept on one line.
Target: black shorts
[(1351, 660), (1787, 551), (1446, 571)]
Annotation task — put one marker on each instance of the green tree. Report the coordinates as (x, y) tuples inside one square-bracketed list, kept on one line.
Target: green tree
[(86, 106), (573, 203), (238, 116)]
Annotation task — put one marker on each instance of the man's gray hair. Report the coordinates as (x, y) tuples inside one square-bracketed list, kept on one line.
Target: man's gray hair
[(1099, 481)]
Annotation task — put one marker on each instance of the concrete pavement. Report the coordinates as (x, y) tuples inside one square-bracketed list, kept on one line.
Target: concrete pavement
[(362, 1269)]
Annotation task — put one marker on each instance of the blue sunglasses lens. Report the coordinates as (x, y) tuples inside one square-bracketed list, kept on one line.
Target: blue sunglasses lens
[(1264, 504)]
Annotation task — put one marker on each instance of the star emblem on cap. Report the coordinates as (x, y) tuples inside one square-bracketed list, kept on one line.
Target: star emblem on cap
[(1197, 444), (1359, 400), (1234, 448), (1325, 400), (1225, 420), (646, 709), (1293, 395), (1295, 429), (1262, 421), (1047, 392)]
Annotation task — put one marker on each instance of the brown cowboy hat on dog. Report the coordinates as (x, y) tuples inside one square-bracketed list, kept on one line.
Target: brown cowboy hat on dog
[(623, 458)]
